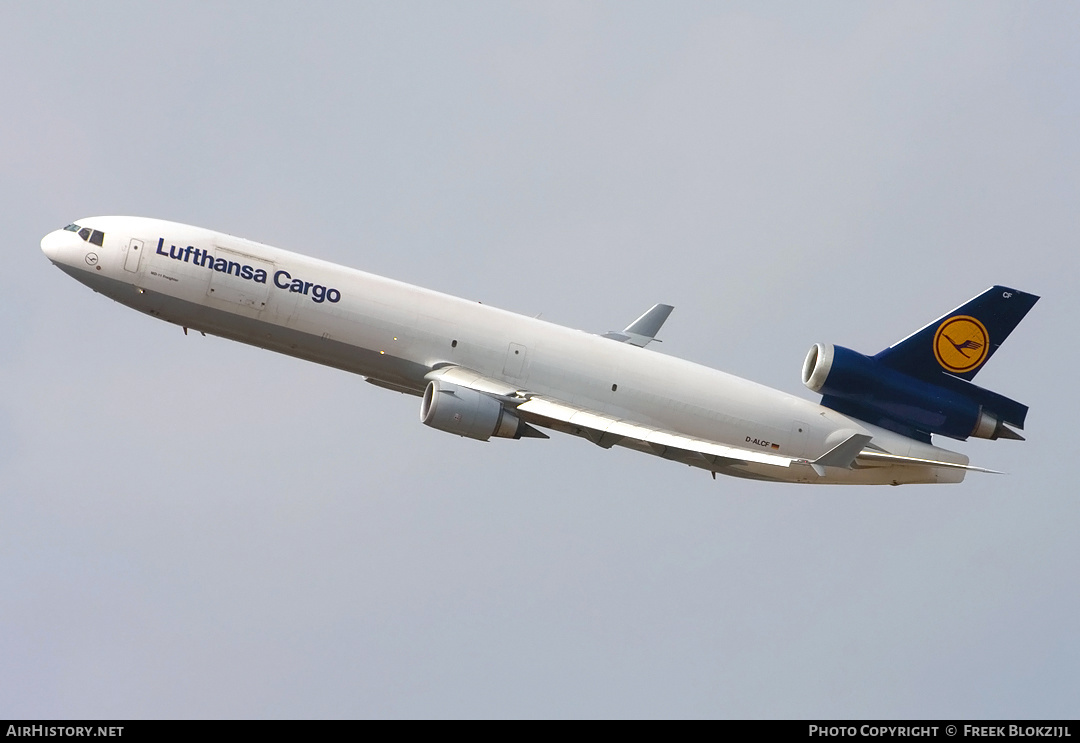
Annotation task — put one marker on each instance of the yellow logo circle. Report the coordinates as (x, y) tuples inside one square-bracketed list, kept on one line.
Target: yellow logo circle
[(961, 344)]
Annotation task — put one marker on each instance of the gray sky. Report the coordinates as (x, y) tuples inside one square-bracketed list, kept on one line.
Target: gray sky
[(191, 527)]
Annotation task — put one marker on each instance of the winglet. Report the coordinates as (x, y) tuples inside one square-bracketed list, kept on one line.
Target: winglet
[(841, 455), (643, 331)]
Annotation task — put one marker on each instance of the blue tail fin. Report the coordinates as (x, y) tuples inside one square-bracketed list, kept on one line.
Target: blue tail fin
[(922, 385), (960, 342)]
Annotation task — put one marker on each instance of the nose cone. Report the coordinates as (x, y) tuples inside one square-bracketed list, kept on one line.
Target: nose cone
[(68, 251), (52, 245)]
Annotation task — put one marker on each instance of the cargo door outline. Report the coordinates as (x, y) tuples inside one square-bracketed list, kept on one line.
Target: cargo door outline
[(517, 357)]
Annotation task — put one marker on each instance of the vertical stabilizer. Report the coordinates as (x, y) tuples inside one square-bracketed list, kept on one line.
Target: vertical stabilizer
[(961, 342)]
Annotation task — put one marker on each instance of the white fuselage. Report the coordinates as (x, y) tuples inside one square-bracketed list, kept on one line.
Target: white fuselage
[(395, 333)]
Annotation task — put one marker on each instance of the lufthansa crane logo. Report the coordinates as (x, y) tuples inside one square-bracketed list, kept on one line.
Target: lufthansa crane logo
[(961, 344)]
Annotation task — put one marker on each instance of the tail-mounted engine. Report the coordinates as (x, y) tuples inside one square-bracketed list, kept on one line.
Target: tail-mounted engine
[(864, 388)]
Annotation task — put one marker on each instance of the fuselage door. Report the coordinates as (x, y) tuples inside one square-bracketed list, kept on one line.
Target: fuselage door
[(516, 358), (134, 253)]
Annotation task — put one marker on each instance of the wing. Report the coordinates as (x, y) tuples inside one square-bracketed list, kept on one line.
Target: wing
[(606, 431), (642, 332), (602, 429)]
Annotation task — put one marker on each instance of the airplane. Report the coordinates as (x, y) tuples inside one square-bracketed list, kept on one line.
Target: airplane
[(482, 372)]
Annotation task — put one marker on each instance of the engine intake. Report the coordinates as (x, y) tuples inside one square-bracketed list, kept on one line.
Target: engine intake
[(466, 412)]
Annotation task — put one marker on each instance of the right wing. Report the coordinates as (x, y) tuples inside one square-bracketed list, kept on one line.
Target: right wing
[(642, 332)]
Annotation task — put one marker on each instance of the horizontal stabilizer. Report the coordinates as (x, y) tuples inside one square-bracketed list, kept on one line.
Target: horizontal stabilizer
[(869, 455), (841, 455)]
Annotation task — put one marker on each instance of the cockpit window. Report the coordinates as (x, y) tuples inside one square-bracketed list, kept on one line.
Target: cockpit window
[(97, 237)]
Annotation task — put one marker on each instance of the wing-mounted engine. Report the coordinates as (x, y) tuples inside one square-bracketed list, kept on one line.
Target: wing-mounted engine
[(864, 388), (466, 412)]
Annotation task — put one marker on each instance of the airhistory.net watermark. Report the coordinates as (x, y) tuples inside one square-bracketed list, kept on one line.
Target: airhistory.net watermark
[(65, 731)]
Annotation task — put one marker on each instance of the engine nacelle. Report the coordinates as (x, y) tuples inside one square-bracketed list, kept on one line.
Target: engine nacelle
[(860, 386), (467, 412)]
